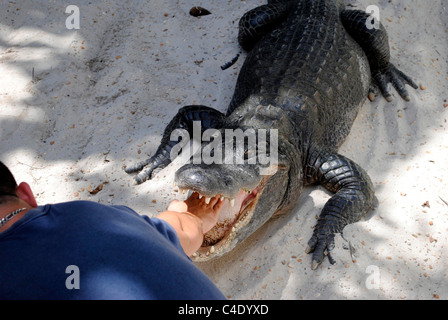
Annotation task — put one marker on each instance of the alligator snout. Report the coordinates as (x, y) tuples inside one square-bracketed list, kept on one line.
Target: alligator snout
[(218, 179)]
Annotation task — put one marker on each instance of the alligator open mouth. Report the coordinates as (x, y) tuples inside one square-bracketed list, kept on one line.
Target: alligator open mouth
[(235, 214)]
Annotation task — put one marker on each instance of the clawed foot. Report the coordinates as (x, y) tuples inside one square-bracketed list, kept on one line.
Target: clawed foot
[(321, 245), (390, 74), (146, 170)]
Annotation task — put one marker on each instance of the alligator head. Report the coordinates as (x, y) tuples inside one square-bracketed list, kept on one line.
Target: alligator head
[(253, 192)]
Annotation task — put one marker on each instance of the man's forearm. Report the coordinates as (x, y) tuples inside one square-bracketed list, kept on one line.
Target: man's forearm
[(188, 228)]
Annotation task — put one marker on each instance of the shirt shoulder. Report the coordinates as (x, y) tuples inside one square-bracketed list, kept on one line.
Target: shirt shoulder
[(119, 254)]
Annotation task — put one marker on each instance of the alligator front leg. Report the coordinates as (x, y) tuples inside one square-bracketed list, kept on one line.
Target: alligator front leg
[(353, 198), (374, 41), (209, 118)]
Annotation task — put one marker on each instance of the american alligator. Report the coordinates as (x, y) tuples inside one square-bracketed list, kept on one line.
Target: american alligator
[(310, 66)]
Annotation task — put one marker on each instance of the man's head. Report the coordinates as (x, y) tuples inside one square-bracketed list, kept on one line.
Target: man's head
[(10, 191), (8, 184)]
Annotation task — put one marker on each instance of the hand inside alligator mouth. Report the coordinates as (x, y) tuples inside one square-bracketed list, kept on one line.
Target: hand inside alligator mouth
[(234, 214), (240, 186)]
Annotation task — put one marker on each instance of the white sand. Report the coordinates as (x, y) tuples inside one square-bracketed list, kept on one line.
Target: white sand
[(103, 95)]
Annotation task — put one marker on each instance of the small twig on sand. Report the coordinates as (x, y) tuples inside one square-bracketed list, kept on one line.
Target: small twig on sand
[(32, 167), (443, 201)]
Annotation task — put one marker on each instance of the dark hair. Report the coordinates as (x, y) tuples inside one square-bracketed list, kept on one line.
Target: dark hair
[(8, 184)]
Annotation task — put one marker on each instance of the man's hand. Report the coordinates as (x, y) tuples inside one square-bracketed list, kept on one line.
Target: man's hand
[(208, 213), (191, 219)]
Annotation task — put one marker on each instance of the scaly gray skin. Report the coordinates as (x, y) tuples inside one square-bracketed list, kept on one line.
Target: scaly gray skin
[(309, 68)]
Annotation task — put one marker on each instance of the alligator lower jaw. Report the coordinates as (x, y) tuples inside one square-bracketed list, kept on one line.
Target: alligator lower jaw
[(216, 241), (239, 212)]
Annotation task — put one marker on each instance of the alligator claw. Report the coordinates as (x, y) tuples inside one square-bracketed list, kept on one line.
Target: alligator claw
[(321, 245), (146, 170), (314, 265), (390, 74)]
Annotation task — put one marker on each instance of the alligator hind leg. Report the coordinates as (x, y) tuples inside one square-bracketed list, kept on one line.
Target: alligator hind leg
[(352, 199), (260, 21), (209, 118), (374, 41)]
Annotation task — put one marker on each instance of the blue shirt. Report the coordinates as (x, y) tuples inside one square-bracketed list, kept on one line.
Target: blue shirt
[(85, 250)]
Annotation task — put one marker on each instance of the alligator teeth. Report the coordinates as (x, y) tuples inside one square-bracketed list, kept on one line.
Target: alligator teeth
[(200, 196), (207, 200), (232, 203), (189, 193), (222, 198), (212, 249)]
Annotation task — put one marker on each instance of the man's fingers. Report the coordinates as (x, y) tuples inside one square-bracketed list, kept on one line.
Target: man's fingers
[(215, 201), (218, 204), (194, 195)]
